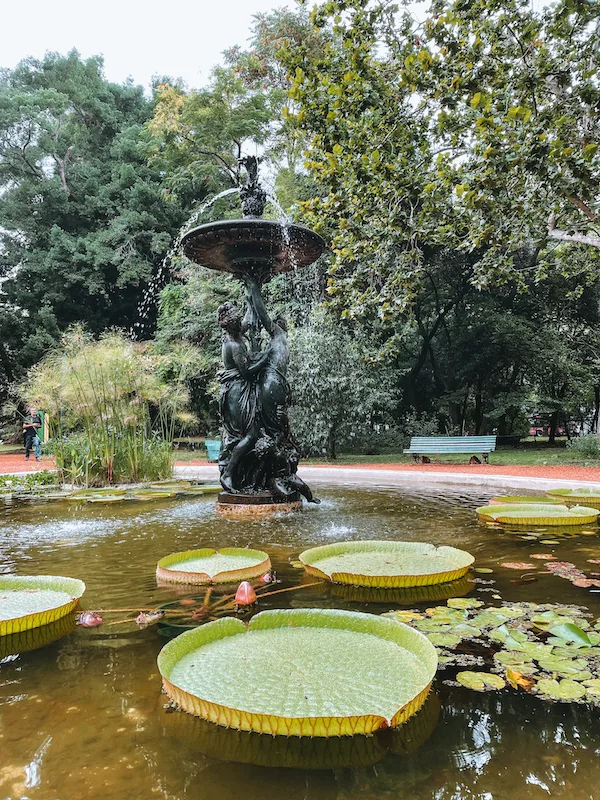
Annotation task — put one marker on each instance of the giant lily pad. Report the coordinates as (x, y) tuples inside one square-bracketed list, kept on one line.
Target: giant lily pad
[(152, 494), (386, 564), (538, 514), (29, 601), (301, 672), (208, 489), (520, 500), (585, 497), (213, 566)]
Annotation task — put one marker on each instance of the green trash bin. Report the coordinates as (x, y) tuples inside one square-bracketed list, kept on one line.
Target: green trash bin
[(213, 448)]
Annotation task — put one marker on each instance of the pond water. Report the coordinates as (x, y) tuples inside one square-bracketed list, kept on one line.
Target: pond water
[(85, 718)]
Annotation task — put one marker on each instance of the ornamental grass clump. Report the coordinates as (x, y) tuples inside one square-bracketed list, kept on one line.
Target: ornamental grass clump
[(112, 419)]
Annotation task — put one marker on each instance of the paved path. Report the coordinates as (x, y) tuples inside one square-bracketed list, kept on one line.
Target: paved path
[(10, 464), (525, 477)]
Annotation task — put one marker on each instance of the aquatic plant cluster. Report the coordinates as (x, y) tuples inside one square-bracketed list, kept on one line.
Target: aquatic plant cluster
[(551, 651)]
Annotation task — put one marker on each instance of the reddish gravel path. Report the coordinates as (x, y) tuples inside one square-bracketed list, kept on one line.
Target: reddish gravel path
[(17, 463), (566, 472)]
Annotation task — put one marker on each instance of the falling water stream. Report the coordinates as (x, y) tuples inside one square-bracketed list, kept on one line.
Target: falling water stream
[(85, 718)]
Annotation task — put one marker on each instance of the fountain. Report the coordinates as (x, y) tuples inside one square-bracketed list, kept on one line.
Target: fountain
[(259, 455)]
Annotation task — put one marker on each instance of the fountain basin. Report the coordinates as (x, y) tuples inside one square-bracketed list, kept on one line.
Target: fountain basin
[(262, 245)]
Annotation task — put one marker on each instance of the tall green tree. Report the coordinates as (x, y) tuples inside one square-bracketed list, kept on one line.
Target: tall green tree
[(83, 220)]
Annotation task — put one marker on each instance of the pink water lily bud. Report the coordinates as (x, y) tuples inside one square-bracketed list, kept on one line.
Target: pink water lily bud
[(89, 619), (267, 577), (245, 594)]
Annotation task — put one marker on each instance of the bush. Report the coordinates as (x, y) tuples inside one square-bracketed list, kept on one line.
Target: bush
[(585, 446), (111, 418)]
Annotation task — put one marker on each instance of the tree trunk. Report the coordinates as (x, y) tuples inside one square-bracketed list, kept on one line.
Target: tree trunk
[(553, 426), (478, 411), (331, 451), (596, 411)]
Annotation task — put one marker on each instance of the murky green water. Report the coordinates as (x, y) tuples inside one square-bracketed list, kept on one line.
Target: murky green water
[(85, 717)]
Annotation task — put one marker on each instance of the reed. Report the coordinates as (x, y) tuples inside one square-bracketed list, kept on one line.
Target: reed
[(112, 418)]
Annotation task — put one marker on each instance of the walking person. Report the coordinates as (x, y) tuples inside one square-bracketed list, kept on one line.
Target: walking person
[(31, 426)]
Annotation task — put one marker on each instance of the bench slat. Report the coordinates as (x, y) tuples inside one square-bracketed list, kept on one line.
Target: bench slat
[(451, 444)]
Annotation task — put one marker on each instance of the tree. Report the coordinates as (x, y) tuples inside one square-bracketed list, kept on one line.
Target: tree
[(337, 394), (450, 135), (84, 224)]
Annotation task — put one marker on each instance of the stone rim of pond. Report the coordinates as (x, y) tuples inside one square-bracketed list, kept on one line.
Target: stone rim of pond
[(283, 655), (538, 514), (366, 562), (245, 564), (29, 584)]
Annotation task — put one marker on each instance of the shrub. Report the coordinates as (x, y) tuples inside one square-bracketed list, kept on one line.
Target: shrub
[(585, 446)]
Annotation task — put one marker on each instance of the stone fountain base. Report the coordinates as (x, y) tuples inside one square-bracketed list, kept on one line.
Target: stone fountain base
[(255, 506)]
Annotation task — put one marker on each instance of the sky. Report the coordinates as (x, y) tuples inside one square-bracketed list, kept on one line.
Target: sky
[(138, 39)]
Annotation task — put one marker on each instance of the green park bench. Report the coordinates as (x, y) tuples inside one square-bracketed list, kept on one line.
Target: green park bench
[(423, 445)]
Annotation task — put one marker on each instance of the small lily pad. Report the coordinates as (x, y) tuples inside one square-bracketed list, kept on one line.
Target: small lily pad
[(480, 681), (464, 602), (563, 690)]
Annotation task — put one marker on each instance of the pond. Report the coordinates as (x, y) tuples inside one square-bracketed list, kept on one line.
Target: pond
[(85, 718)]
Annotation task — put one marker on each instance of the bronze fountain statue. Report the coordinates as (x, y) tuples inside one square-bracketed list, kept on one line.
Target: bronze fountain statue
[(259, 456)]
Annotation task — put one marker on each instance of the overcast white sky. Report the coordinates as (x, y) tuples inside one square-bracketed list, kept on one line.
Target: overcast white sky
[(138, 38)]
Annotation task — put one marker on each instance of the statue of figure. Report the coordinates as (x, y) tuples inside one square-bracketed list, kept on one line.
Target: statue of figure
[(276, 469), (253, 196), (238, 401), (273, 387)]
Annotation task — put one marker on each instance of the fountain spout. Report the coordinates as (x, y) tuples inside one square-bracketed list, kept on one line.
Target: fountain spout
[(254, 197)]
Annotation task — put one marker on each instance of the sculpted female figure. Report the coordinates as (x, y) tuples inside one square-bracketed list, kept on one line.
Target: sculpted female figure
[(238, 401), (273, 388)]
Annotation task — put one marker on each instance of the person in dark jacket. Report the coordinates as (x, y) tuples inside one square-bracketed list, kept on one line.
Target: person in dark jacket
[(31, 426)]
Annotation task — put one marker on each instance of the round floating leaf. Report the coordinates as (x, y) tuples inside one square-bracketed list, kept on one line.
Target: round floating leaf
[(152, 494), (538, 514), (30, 601), (592, 687), (563, 690), (386, 564), (301, 672), (480, 681), (571, 633), (464, 602), (584, 497), (228, 565), (212, 489), (509, 499), (107, 498)]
